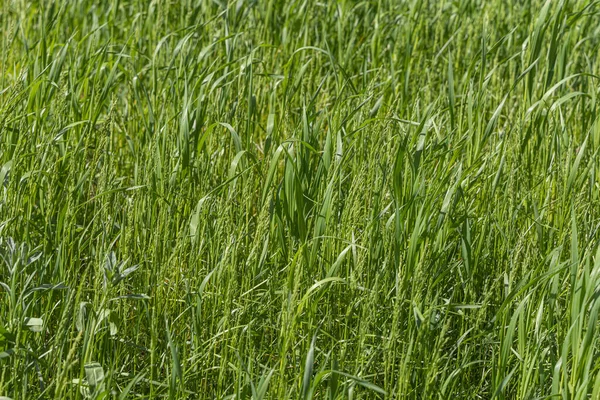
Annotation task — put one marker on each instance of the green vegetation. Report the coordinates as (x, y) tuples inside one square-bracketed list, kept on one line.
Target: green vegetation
[(299, 199)]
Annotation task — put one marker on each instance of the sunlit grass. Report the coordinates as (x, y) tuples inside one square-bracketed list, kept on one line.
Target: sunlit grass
[(299, 199)]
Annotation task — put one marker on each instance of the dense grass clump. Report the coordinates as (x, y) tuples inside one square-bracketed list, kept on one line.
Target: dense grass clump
[(299, 199)]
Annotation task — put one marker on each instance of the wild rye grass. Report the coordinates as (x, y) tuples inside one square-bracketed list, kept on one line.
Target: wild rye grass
[(299, 199)]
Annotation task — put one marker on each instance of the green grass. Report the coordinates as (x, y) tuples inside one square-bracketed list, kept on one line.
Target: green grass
[(299, 199)]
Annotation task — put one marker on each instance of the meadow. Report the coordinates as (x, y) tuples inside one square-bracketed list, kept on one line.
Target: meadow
[(377, 199)]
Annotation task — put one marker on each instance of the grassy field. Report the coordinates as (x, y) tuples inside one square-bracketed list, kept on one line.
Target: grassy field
[(299, 199)]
